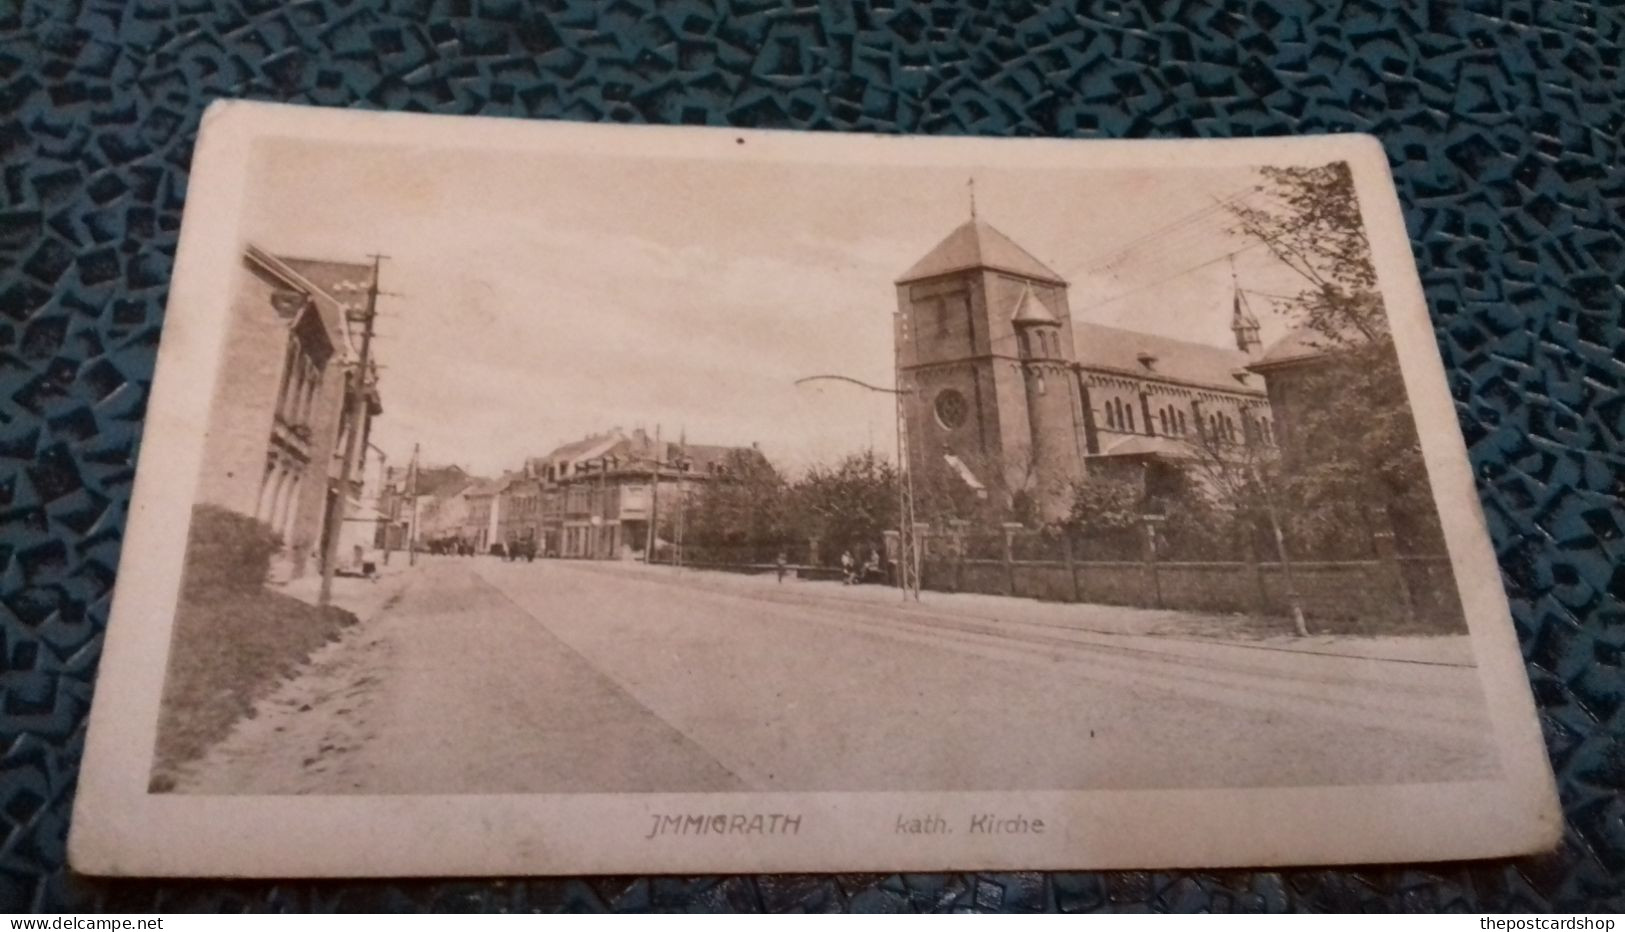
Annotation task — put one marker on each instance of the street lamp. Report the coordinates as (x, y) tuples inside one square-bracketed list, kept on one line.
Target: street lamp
[(908, 557)]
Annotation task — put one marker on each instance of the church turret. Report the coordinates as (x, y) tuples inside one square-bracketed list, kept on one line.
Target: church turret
[(1038, 332), (1244, 324)]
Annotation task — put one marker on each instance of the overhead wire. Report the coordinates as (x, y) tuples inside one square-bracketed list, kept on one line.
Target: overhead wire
[(1163, 232)]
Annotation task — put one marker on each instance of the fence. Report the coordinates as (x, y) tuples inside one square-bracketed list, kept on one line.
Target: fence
[(806, 558), (1387, 592)]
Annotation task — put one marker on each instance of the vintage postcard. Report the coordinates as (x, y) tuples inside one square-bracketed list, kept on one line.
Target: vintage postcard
[(527, 497)]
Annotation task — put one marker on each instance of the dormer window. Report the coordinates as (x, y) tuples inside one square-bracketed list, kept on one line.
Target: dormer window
[(1148, 360), (1240, 375)]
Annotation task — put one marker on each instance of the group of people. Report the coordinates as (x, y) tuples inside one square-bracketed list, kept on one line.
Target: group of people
[(851, 573), (517, 550), (451, 546)]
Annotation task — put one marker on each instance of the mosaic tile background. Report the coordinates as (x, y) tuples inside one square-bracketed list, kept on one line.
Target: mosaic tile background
[(1503, 121)]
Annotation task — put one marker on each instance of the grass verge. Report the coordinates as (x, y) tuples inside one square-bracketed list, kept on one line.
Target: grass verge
[(230, 648)]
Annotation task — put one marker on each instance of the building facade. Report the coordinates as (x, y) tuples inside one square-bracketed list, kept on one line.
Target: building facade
[(612, 496), (1019, 400), (519, 513), (285, 403)]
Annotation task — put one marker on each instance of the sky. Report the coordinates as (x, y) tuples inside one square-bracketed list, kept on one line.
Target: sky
[(544, 296)]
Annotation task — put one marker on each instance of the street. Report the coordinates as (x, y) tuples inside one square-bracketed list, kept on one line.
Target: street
[(477, 676)]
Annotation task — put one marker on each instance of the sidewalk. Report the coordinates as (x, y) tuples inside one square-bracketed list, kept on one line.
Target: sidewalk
[(1243, 630), (357, 595)]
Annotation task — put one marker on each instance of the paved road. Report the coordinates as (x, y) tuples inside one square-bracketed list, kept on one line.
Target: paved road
[(482, 676)]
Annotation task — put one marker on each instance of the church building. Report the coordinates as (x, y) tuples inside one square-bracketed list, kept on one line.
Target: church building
[(1020, 400)]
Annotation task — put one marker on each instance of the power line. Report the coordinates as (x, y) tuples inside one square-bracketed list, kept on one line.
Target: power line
[(1176, 249), (1180, 274), (1200, 214)]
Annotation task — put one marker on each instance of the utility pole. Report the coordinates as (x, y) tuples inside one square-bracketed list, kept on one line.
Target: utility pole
[(603, 509), (682, 496), (908, 546), (412, 530), (654, 499), (908, 558), (357, 404)]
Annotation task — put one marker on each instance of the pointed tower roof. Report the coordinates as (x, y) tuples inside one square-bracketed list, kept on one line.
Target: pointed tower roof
[(976, 244), (1242, 315), (1031, 310)]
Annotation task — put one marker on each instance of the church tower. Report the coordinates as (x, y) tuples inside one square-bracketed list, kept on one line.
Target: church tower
[(984, 343)]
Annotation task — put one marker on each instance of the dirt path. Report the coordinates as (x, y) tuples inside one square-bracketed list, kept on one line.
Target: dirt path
[(302, 738)]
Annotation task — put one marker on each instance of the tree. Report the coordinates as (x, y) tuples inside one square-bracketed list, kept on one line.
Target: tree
[(943, 494), (1103, 505), (741, 512), (849, 505), (1354, 453), (1310, 221)]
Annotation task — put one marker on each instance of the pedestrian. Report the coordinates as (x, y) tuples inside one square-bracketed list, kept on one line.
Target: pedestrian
[(782, 565), (848, 567), (871, 567)]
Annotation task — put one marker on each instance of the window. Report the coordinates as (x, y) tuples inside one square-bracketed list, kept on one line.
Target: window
[(950, 409), (290, 362), (1128, 414), (1111, 415), (1180, 417), (1163, 417), (942, 317)]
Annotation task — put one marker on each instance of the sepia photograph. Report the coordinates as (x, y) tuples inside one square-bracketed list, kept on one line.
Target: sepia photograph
[(697, 466)]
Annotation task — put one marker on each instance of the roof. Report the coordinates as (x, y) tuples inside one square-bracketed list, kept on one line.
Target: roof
[(1302, 343), (976, 244), (589, 447), (1144, 355), (486, 487), (1242, 315), (346, 282), (435, 480), (964, 472), (1031, 310), (703, 455), (454, 488), (1141, 445)]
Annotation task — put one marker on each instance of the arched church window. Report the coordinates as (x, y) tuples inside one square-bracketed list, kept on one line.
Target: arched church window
[(1183, 427), (1111, 415), (1128, 415), (1162, 416)]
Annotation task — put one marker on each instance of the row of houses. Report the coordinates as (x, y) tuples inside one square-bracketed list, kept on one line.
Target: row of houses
[(607, 496)]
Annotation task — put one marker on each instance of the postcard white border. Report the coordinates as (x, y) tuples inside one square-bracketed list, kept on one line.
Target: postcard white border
[(118, 828)]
